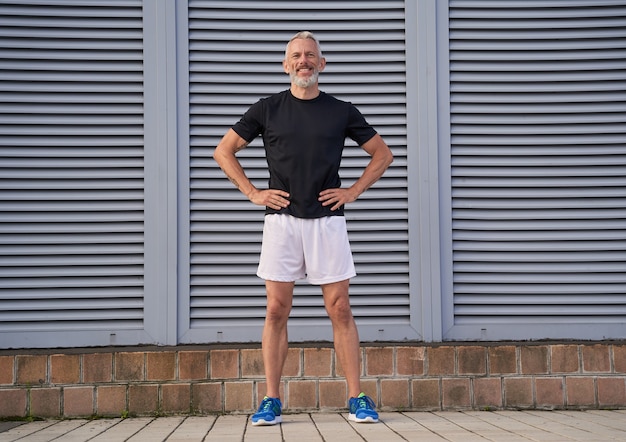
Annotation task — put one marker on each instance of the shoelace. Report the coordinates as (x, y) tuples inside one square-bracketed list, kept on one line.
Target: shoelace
[(365, 402), (268, 404)]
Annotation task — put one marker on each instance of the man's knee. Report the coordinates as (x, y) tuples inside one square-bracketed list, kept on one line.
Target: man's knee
[(340, 311), (277, 312)]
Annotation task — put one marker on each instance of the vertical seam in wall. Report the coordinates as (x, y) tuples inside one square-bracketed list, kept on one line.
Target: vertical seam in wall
[(581, 362), (239, 361), (549, 360), (176, 365)]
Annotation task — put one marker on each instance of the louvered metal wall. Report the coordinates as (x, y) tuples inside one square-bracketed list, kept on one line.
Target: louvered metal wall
[(235, 55), (532, 150), (538, 169), (71, 171)]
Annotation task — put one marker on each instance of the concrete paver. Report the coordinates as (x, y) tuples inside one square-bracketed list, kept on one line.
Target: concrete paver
[(451, 426), (298, 427), (124, 429), (193, 429), (332, 427)]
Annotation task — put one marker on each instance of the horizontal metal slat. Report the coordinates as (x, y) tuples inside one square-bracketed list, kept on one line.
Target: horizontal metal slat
[(543, 193), (539, 267), (532, 181), (538, 256), (242, 6), (29, 261), (52, 318), (540, 288), (51, 283), (73, 206), (483, 224), (539, 236), (539, 99), (71, 66), (522, 21), (92, 195), (61, 22), (69, 8), (525, 120), (72, 326), (538, 204), (533, 35), (527, 77), (565, 170), (126, 237), (34, 307), (119, 185), (545, 311), (534, 140), (541, 278), (549, 245), (69, 294), (547, 129), (320, 25), (540, 11), (65, 164), (69, 55), (57, 270)]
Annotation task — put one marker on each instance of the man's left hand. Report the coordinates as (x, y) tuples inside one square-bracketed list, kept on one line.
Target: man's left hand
[(336, 197)]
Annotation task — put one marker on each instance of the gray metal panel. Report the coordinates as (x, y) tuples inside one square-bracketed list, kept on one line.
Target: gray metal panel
[(235, 55), (538, 160), (71, 173)]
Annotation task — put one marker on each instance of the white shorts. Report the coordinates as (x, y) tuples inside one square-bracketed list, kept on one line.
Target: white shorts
[(295, 248)]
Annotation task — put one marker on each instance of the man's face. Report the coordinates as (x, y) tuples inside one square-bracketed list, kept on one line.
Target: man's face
[(303, 63)]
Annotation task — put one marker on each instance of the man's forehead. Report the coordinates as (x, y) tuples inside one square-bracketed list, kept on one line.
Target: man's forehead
[(302, 44)]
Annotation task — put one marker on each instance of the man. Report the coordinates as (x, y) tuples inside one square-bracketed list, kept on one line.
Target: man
[(304, 233)]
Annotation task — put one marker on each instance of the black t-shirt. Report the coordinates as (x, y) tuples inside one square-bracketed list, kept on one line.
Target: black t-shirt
[(304, 141)]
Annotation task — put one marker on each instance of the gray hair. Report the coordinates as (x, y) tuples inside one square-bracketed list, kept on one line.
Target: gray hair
[(305, 35)]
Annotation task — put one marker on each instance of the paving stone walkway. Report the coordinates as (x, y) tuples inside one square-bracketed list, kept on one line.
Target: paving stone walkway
[(461, 426)]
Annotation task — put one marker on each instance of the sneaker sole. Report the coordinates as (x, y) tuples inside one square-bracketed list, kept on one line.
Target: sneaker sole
[(263, 422), (365, 420)]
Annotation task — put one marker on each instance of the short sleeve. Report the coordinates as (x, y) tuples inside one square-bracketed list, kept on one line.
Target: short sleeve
[(358, 129), (251, 123)]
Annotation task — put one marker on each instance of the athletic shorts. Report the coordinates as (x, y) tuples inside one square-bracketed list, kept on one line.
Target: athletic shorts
[(296, 248)]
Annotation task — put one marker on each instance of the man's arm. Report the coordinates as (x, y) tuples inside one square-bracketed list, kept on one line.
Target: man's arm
[(225, 156), (381, 158)]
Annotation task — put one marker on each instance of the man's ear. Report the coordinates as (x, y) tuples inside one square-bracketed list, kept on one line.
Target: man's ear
[(322, 64), (285, 67)]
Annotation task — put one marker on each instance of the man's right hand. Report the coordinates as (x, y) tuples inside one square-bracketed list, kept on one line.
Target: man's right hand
[(272, 198)]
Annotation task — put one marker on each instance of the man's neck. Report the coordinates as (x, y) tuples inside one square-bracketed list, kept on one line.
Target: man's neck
[(305, 93)]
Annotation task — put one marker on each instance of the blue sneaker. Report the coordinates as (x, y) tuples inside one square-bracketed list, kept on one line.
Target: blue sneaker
[(362, 409), (269, 412)]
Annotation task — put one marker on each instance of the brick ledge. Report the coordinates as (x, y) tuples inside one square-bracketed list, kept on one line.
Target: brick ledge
[(201, 379)]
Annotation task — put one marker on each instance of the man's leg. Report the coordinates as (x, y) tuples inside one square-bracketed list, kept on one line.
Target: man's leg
[(345, 333), (275, 342)]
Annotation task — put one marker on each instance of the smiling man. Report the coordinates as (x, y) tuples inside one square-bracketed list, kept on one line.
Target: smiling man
[(304, 233)]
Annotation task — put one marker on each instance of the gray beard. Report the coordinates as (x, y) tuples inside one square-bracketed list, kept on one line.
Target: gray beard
[(302, 82)]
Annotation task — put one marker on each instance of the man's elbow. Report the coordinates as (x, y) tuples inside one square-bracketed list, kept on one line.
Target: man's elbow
[(219, 154), (388, 158), (216, 153)]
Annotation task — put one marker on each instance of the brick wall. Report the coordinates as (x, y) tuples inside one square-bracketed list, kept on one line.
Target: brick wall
[(156, 380)]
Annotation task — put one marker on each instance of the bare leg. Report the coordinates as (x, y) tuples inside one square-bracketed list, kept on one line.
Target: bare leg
[(345, 333), (275, 341)]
